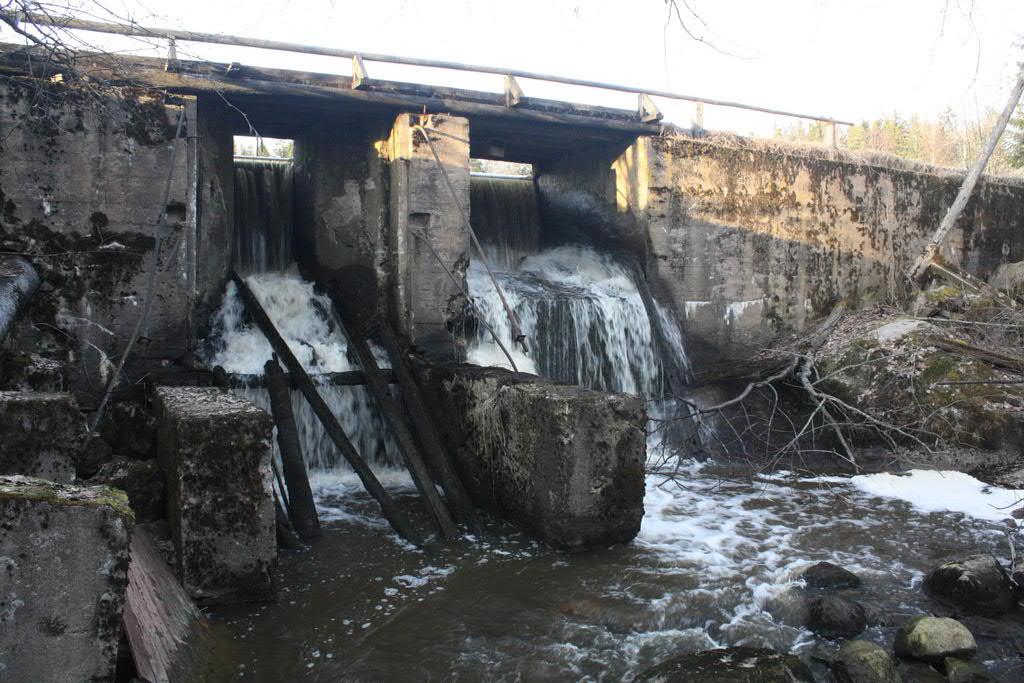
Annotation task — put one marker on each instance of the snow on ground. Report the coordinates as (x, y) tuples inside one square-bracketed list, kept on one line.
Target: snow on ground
[(943, 491)]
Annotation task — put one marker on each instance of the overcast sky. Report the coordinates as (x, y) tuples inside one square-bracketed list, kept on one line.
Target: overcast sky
[(852, 59)]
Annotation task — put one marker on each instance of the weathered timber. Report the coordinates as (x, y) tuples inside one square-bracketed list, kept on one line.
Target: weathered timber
[(300, 496), (438, 459), (349, 378), (166, 631), (396, 517), (286, 535), (1014, 363), (388, 406)]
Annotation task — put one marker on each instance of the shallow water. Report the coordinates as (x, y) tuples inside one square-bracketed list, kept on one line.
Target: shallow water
[(714, 565)]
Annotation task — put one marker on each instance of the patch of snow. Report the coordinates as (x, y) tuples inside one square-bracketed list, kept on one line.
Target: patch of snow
[(942, 491), (898, 329)]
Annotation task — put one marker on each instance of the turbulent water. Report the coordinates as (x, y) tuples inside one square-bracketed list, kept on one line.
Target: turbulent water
[(716, 562)]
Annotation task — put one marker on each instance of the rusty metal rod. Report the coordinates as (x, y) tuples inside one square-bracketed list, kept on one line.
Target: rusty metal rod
[(133, 29)]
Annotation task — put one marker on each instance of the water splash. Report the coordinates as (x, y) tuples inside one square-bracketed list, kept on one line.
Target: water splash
[(583, 316), (305, 319)]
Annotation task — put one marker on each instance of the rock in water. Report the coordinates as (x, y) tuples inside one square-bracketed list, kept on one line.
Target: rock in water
[(932, 639), (859, 661), (977, 585), (730, 665), (828, 575), (918, 672), (834, 617), (962, 671)]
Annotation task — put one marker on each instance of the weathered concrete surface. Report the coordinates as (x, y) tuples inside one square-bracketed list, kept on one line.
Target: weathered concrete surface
[(425, 302), (83, 177), (214, 449), (563, 461), (64, 554), (750, 239), (41, 434)]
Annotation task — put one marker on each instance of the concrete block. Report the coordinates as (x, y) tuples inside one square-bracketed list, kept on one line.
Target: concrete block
[(64, 553), (214, 449), (565, 462), (41, 434)]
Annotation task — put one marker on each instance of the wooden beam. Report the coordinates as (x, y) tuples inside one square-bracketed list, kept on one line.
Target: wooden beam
[(394, 514), (300, 496), (359, 78), (648, 110), (513, 93)]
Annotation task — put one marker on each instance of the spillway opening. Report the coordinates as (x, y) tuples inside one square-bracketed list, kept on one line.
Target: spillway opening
[(264, 203)]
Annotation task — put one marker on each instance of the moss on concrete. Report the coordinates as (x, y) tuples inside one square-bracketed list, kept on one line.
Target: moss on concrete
[(17, 487)]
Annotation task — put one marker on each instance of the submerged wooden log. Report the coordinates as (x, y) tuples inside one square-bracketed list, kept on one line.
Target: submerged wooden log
[(300, 496), (396, 517)]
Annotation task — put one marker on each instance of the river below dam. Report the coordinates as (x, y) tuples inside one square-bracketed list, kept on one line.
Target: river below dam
[(718, 558), (716, 564)]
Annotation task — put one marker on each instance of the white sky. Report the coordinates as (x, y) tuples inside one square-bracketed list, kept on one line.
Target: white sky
[(853, 59)]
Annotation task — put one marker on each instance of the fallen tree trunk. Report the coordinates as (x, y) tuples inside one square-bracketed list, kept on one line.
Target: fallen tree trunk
[(394, 514)]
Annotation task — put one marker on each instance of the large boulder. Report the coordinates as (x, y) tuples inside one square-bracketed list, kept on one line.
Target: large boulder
[(910, 671), (977, 584), (828, 575), (64, 554), (42, 432), (860, 661), (730, 665), (932, 639), (214, 448), (1009, 277), (831, 616)]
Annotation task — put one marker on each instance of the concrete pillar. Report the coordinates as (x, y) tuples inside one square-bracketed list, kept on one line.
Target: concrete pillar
[(41, 434), (565, 462), (214, 449), (63, 576), (425, 303)]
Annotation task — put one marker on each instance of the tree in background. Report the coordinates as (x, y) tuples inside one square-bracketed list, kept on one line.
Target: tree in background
[(952, 141), (1015, 141)]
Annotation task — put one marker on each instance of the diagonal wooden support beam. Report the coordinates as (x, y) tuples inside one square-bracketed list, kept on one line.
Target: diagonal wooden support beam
[(648, 110), (513, 93), (360, 81)]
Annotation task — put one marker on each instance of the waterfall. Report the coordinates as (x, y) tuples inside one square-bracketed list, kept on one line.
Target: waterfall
[(264, 209), (305, 319), (505, 218)]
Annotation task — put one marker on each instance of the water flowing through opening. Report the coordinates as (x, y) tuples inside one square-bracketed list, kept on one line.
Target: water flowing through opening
[(264, 209)]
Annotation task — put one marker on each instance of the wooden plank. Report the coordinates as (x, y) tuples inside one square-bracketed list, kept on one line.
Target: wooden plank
[(394, 514), (349, 378), (301, 507), (513, 93), (166, 631), (359, 78), (388, 406)]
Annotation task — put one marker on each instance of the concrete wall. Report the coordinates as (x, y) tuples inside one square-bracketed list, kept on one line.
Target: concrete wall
[(427, 234), (750, 240), (81, 186)]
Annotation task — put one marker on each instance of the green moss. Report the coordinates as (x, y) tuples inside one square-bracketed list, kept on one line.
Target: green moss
[(938, 294), (22, 488)]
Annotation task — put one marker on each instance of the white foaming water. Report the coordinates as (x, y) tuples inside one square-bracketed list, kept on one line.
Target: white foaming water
[(584, 320), (304, 318)]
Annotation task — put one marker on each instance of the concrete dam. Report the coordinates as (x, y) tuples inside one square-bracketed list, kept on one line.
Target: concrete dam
[(358, 410)]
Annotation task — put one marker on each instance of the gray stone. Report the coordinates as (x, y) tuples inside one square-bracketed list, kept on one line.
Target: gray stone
[(1008, 277), (64, 553), (834, 617), (31, 372), (962, 671), (563, 461), (214, 449), (142, 480), (828, 575), (977, 585), (41, 434), (860, 661), (918, 672), (932, 639), (730, 665)]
